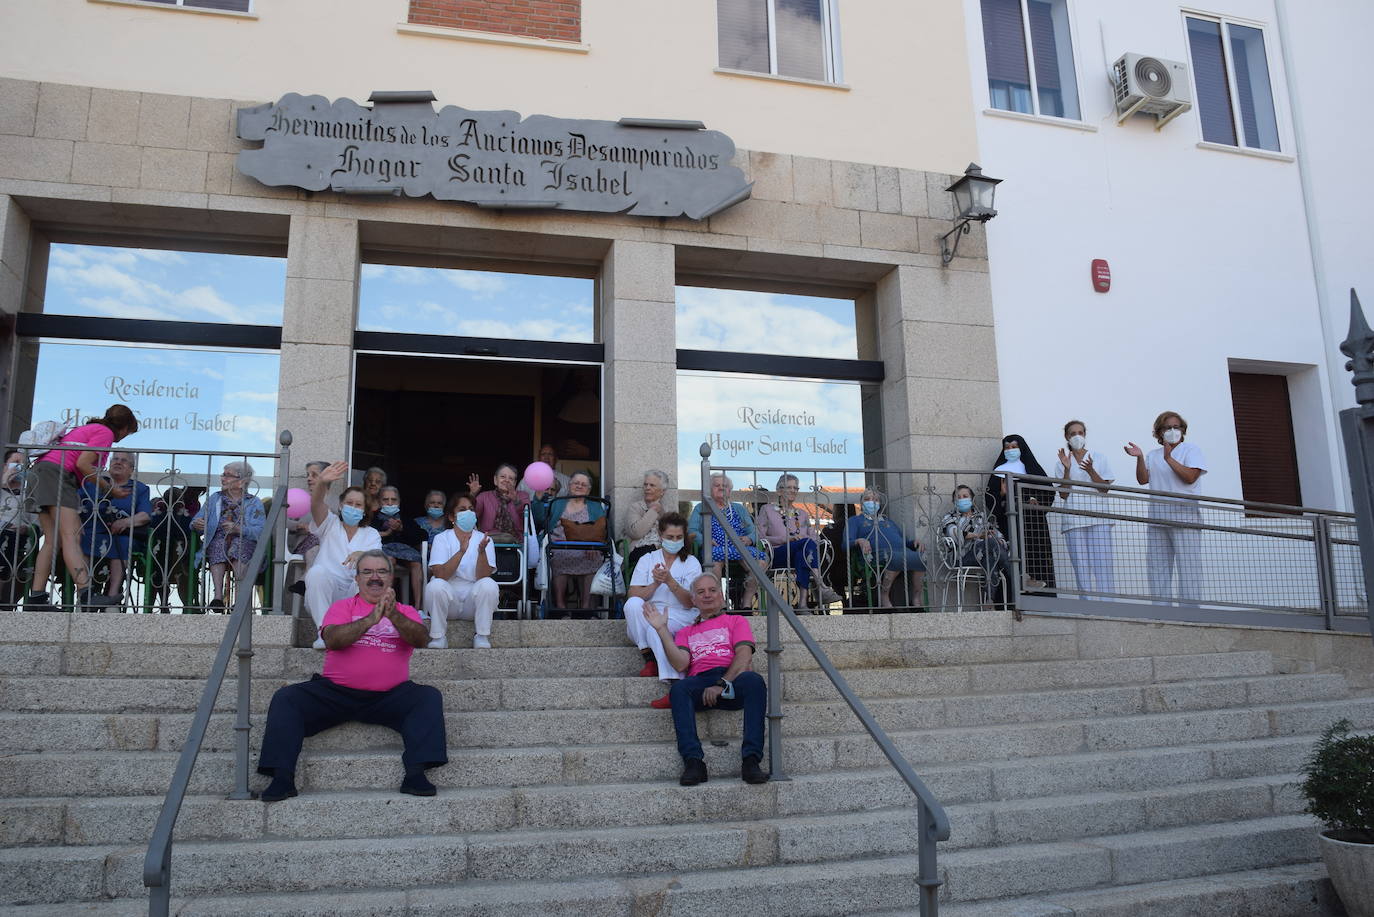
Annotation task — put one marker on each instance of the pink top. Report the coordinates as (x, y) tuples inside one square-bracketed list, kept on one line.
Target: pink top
[(95, 435), (712, 643), (775, 524), (488, 504), (379, 660)]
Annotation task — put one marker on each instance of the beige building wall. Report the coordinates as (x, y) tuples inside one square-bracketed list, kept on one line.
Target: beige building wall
[(905, 99)]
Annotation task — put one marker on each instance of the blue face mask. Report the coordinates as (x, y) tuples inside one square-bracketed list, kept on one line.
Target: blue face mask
[(390, 510), (963, 504), (1011, 455), (466, 520), (434, 512), (351, 515), (673, 547), (870, 507)]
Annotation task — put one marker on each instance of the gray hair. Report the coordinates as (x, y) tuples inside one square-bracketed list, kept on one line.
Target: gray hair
[(375, 552), (318, 466), (391, 487), (729, 484), (784, 478), (242, 469), (706, 574), (443, 496), (663, 480), (375, 470), (872, 489)]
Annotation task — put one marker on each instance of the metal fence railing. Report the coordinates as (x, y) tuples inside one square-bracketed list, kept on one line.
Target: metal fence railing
[(145, 538)]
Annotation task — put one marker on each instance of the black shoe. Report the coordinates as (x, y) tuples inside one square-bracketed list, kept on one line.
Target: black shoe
[(693, 772), (750, 772), (38, 601), (283, 786), (417, 784), (298, 587)]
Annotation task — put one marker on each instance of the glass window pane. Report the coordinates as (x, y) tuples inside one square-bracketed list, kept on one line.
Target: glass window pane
[(1053, 47), (742, 32), (1209, 75), (487, 304), (1004, 44), (774, 323), (801, 40), (764, 422), (240, 6), (183, 398), (96, 280), (1252, 85)]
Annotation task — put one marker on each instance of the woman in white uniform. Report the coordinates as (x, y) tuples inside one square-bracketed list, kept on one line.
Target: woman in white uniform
[(663, 577), (461, 563), (343, 538), (1089, 539), (1175, 467)]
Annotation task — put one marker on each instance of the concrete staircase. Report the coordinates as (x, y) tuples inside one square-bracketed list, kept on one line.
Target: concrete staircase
[(1151, 784)]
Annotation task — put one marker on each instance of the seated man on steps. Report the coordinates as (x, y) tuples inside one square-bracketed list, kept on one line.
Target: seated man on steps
[(368, 642), (715, 653)]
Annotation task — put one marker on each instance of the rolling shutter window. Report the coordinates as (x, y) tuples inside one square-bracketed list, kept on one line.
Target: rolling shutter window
[(1209, 74), (801, 42), (1264, 439), (1004, 42), (1043, 45), (742, 34)]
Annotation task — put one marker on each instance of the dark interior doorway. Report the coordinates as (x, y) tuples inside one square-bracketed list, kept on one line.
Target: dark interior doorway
[(432, 421)]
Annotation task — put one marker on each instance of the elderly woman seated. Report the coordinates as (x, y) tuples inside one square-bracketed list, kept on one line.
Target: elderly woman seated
[(501, 512), (400, 538), (976, 540), (231, 521), (116, 524), (641, 519), (662, 578), (435, 520), (574, 518), (722, 550), (787, 528), (885, 546)]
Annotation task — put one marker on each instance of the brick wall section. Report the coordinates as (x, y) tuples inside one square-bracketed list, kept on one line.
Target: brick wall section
[(560, 20)]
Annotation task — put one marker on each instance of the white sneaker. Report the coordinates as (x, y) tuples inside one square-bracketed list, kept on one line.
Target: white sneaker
[(319, 643), (480, 642), (438, 643)]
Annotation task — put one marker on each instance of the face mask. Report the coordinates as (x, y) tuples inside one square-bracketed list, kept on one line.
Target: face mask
[(1173, 437), (963, 504), (466, 520), (1011, 455), (390, 510), (1077, 442), (870, 507), (673, 547), (434, 512), (350, 515)]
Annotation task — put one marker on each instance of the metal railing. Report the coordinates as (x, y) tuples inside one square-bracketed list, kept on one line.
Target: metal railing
[(147, 566), (1156, 555), (157, 864), (933, 823)]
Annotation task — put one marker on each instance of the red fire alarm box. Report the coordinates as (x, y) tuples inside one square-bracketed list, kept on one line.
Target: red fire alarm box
[(1102, 275)]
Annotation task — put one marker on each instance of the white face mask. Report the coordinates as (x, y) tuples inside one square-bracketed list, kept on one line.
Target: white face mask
[(1173, 437), (1077, 442)]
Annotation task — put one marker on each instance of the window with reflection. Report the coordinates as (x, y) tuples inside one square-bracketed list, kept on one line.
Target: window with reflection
[(106, 282), (780, 37), (744, 321), (483, 304)]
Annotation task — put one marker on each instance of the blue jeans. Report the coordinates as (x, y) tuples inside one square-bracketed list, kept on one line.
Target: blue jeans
[(751, 696)]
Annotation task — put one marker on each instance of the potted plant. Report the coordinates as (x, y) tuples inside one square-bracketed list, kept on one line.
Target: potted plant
[(1338, 781)]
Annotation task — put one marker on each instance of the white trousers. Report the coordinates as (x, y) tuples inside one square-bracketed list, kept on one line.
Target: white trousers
[(447, 600), (325, 587), (1170, 549), (646, 638), (1090, 550)]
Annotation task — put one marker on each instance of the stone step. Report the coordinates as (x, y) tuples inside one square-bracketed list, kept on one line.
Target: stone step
[(54, 874)]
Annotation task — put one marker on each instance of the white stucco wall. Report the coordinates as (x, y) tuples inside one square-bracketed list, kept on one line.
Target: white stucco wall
[(905, 102), (1208, 250)]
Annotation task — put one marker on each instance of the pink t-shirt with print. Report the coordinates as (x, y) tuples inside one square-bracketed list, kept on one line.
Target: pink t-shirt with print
[(94, 435), (379, 660), (712, 643)]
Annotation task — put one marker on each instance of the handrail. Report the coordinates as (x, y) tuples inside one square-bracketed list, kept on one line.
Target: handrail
[(157, 864), (933, 821)]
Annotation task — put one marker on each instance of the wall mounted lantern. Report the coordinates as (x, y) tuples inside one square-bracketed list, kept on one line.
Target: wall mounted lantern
[(973, 196)]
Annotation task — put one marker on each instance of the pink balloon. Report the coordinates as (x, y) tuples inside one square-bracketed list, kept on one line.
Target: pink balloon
[(297, 503), (539, 476)]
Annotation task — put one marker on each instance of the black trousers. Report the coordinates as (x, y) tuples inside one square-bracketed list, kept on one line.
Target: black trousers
[(304, 709)]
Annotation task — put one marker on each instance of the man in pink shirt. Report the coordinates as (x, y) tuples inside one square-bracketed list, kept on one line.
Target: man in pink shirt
[(368, 642), (715, 654)]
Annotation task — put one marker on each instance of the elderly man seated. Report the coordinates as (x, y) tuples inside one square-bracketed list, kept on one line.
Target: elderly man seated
[(715, 652), (368, 642)]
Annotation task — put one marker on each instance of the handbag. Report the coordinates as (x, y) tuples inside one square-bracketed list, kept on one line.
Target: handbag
[(609, 580), (585, 531)]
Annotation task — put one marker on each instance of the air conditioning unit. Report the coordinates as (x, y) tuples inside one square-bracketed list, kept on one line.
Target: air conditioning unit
[(1151, 86)]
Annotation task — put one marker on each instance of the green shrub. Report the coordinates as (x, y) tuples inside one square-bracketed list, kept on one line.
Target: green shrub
[(1338, 781)]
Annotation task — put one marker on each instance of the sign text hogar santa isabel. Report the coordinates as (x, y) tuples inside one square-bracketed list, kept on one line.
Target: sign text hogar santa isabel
[(491, 158)]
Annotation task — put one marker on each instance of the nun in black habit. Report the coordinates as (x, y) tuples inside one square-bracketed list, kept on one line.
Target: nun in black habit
[(1035, 549)]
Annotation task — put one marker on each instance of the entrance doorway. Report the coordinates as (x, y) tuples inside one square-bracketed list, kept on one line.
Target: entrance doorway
[(430, 422)]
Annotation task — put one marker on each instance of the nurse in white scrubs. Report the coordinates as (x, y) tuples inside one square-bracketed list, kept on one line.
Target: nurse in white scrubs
[(663, 578)]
